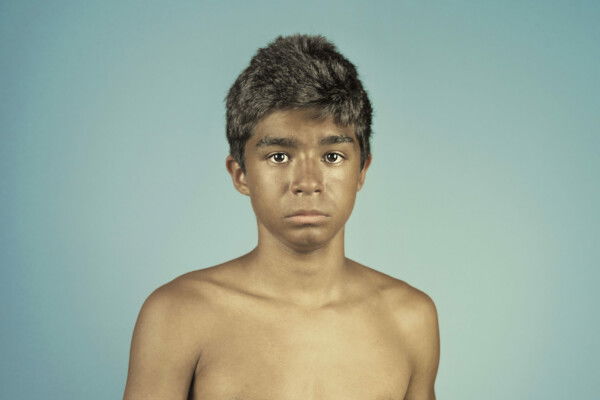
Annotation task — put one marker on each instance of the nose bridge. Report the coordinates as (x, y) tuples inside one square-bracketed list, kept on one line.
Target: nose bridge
[(307, 174)]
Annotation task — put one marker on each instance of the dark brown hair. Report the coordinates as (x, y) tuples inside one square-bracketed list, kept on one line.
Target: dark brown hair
[(298, 71)]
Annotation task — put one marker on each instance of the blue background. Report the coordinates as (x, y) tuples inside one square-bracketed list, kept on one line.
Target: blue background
[(483, 191)]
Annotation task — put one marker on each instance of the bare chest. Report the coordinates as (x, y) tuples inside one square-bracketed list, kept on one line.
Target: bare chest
[(330, 355)]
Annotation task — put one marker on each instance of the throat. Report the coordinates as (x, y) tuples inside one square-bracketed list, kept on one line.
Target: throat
[(309, 280)]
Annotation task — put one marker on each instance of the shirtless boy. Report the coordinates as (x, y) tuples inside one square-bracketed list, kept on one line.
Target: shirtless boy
[(293, 319)]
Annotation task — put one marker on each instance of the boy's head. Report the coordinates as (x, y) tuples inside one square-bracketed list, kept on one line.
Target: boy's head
[(298, 71)]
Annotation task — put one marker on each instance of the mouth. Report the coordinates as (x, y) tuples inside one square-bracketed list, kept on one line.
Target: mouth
[(307, 217), (307, 213)]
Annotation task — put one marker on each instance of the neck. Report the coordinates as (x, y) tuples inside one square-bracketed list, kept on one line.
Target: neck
[(306, 277)]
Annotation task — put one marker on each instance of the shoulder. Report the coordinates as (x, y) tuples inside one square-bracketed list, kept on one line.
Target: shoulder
[(170, 300), (186, 293), (181, 304), (184, 306), (412, 311), (195, 293), (415, 318), (168, 312), (414, 321), (403, 301), (167, 340)]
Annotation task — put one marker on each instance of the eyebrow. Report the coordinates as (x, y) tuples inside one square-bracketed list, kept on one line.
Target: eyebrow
[(290, 142)]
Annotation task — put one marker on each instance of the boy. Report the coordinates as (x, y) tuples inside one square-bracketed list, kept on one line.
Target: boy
[(294, 318)]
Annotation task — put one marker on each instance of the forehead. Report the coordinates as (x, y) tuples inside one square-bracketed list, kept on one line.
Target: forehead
[(303, 125)]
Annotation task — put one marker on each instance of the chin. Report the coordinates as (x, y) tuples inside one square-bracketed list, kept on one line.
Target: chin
[(308, 239)]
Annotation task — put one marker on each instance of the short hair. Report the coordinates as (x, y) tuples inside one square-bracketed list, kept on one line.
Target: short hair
[(292, 72)]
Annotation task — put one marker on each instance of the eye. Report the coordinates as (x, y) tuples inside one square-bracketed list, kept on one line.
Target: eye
[(278, 158), (334, 158)]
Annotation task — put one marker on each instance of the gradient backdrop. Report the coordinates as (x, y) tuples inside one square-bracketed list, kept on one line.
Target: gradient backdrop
[(484, 191)]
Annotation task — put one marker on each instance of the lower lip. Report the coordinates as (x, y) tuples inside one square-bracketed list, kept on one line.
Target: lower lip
[(307, 219)]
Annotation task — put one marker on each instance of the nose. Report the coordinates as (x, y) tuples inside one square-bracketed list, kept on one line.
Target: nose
[(307, 177)]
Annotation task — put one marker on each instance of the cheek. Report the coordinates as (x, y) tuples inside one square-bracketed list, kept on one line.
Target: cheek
[(263, 180), (266, 191), (343, 183), (343, 193)]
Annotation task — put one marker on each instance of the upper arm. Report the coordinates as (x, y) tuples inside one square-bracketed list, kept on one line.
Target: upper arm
[(423, 338), (163, 352)]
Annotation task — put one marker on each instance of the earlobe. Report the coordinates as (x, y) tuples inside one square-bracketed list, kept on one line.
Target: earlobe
[(363, 173), (361, 182), (237, 175)]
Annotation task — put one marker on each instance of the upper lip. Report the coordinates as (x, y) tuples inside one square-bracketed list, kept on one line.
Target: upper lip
[(307, 212)]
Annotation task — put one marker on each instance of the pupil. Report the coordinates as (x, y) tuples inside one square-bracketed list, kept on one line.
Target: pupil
[(332, 156), (279, 157)]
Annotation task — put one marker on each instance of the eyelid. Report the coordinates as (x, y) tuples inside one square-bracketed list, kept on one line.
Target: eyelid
[(335, 152), (269, 156)]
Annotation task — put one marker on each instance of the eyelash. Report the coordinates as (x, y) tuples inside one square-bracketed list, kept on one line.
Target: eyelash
[(287, 155)]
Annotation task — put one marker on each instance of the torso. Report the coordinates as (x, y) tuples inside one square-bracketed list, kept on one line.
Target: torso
[(253, 348)]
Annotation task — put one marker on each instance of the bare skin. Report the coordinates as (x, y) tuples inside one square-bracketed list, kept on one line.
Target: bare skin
[(294, 318)]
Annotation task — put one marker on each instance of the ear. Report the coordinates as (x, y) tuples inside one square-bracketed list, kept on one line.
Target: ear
[(237, 175), (363, 173)]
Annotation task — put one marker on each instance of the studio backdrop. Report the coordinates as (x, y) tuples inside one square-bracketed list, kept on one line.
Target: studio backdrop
[(483, 191)]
